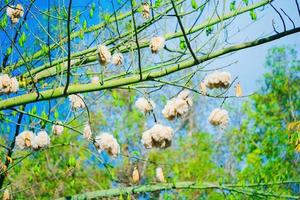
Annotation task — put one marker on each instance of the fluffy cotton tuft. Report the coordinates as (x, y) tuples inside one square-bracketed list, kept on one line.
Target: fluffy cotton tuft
[(159, 136), (104, 55), (77, 101), (218, 80), (41, 140), (8, 85), (146, 10), (87, 132), (117, 59), (57, 128), (219, 117), (144, 105), (156, 44), (202, 87), (25, 139), (107, 142), (178, 106), (15, 13)]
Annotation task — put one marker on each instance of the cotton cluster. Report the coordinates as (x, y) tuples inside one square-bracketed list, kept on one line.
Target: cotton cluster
[(144, 105), (218, 80), (107, 142), (77, 101), (159, 136), (28, 139), (117, 59), (156, 44), (219, 117), (57, 128), (178, 106), (146, 10), (40, 140), (104, 55), (15, 13), (8, 85), (87, 132), (24, 139)]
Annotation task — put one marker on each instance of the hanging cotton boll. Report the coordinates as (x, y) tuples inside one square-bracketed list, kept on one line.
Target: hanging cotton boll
[(158, 136), (202, 87), (238, 90), (218, 80), (146, 10), (104, 55), (19, 11), (57, 128), (147, 139), (117, 59), (41, 140), (9, 11), (156, 44), (24, 139), (87, 132), (144, 105), (15, 13), (160, 175), (135, 175), (95, 79), (107, 142), (76, 101), (13, 85), (219, 117), (176, 107), (4, 81), (186, 96)]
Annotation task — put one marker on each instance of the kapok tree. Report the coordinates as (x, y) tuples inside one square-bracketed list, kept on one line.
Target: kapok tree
[(55, 56)]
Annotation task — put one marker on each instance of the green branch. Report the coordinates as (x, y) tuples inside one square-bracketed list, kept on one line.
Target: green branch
[(82, 88), (176, 186)]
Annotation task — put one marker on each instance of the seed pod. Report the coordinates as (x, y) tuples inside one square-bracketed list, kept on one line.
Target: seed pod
[(104, 55), (203, 88), (238, 90), (135, 175)]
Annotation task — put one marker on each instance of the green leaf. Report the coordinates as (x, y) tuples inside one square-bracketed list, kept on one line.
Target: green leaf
[(8, 51), (232, 6), (246, 2), (22, 39), (56, 114), (77, 18), (157, 3), (253, 15), (72, 161), (3, 22), (182, 44), (209, 30), (91, 12), (194, 4), (84, 25)]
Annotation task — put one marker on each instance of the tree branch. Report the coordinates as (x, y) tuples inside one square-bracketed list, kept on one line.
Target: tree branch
[(82, 88)]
